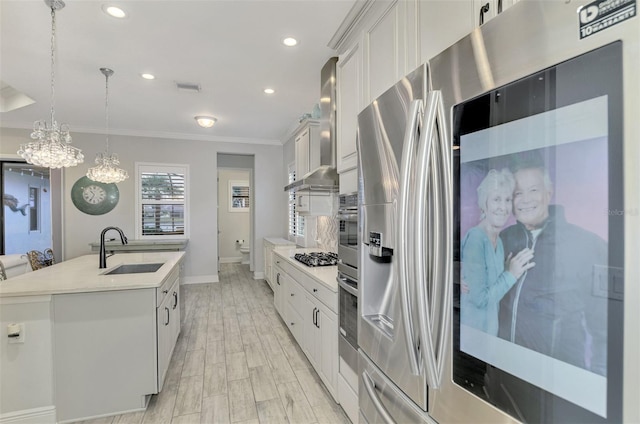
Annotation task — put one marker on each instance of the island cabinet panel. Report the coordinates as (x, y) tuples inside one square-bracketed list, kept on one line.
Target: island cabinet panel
[(105, 352), (168, 325)]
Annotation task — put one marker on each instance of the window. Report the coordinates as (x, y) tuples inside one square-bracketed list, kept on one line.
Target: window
[(162, 201), (34, 215), (238, 196)]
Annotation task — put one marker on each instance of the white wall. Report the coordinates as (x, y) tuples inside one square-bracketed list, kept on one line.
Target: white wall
[(233, 225), (81, 229)]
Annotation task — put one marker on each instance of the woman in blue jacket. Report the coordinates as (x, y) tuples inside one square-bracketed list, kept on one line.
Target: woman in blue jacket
[(486, 276)]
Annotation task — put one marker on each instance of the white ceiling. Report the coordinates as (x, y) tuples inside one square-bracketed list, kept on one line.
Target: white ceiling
[(232, 48)]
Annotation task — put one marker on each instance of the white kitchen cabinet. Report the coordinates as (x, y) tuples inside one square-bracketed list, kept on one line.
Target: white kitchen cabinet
[(383, 54), (314, 203), (442, 23), (269, 245), (349, 95), (279, 288), (168, 325), (486, 10), (294, 310), (307, 147), (310, 313), (321, 341)]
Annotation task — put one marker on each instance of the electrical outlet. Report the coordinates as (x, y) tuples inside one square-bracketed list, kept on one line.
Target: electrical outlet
[(15, 333)]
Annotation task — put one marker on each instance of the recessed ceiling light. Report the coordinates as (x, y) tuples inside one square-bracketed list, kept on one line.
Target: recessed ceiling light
[(289, 41), (148, 76), (269, 90), (114, 11), (205, 121)]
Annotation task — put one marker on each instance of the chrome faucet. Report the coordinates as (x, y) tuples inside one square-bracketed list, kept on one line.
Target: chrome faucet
[(103, 252)]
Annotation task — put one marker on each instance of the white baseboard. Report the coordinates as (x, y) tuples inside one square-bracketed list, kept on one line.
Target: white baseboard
[(258, 275), (44, 415), (231, 260), (201, 279)]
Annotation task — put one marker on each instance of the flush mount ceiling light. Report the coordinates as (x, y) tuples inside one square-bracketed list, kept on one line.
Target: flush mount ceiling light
[(106, 170), (53, 147), (148, 76), (205, 121), (114, 11), (289, 41), (269, 90)]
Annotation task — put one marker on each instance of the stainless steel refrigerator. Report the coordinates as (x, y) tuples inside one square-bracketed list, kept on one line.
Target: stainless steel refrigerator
[(500, 199)]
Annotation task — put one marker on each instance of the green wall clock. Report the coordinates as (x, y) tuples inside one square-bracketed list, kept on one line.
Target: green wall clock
[(94, 198)]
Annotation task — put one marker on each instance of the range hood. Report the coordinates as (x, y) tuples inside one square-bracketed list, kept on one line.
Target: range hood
[(325, 177), (322, 179)]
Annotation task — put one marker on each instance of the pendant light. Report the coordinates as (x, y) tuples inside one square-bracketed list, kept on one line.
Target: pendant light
[(106, 169), (52, 148)]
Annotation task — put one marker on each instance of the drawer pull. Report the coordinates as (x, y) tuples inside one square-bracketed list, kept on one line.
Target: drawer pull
[(165, 291), (315, 290)]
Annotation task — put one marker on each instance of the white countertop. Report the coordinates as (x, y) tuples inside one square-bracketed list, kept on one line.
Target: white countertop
[(83, 275), (325, 275)]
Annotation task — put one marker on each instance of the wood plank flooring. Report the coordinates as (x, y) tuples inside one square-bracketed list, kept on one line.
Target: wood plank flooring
[(236, 362)]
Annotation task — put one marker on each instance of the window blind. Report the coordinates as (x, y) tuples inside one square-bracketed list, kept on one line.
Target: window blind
[(163, 203)]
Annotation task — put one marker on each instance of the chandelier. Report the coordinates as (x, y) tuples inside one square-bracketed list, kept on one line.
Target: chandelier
[(52, 146), (106, 169)]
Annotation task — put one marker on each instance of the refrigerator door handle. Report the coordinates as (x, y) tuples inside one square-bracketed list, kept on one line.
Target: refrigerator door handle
[(404, 220), (370, 386), (432, 239)]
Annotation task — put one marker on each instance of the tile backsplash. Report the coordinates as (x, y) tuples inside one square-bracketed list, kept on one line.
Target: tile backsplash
[(327, 230)]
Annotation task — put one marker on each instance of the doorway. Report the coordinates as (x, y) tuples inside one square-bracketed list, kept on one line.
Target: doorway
[(235, 211)]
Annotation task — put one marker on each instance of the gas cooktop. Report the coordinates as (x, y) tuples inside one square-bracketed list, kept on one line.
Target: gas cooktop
[(317, 258)]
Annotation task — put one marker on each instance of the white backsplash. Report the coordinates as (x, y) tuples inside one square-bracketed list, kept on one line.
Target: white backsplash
[(327, 230)]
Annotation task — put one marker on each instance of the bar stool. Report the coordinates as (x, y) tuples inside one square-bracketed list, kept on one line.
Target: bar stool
[(39, 260)]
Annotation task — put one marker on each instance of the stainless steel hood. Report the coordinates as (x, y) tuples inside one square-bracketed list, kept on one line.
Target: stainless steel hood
[(322, 179), (325, 177)]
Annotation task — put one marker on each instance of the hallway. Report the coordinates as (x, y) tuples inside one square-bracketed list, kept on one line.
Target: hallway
[(235, 362)]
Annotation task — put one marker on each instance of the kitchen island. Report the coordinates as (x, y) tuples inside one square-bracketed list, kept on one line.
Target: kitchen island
[(90, 343)]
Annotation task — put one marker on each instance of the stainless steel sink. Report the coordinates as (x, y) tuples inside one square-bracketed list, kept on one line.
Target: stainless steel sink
[(134, 268)]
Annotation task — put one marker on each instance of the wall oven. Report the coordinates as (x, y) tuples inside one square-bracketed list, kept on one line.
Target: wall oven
[(348, 232), (348, 317)]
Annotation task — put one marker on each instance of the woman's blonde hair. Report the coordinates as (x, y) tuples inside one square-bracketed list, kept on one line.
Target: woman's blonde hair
[(494, 180)]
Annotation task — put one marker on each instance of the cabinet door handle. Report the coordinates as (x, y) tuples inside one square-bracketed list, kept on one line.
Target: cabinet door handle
[(278, 278), (499, 7), (317, 324), (175, 300), (313, 315), (167, 309), (484, 9)]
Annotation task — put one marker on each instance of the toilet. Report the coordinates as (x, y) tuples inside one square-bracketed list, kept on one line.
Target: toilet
[(245, 250)]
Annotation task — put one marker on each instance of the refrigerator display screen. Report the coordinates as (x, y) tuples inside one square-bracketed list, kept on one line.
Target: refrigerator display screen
[(539, 240)]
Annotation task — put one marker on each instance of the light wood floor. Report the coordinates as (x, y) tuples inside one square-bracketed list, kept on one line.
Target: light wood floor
[(236, 362)]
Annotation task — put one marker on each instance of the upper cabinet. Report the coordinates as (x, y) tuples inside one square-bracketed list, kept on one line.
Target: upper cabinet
[(486, 10), (307, 139), (383, 40), (349, 70), (442, 23)]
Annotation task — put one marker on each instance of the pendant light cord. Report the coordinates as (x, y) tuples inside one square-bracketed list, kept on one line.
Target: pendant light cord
[(106, 113), (53, 62)]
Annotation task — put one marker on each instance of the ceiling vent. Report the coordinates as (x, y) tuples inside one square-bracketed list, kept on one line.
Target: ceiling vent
[(188, 86)]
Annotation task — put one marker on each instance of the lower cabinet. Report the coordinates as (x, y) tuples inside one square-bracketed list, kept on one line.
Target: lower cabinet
[(321, 329), (168, 327), (303, 305)]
